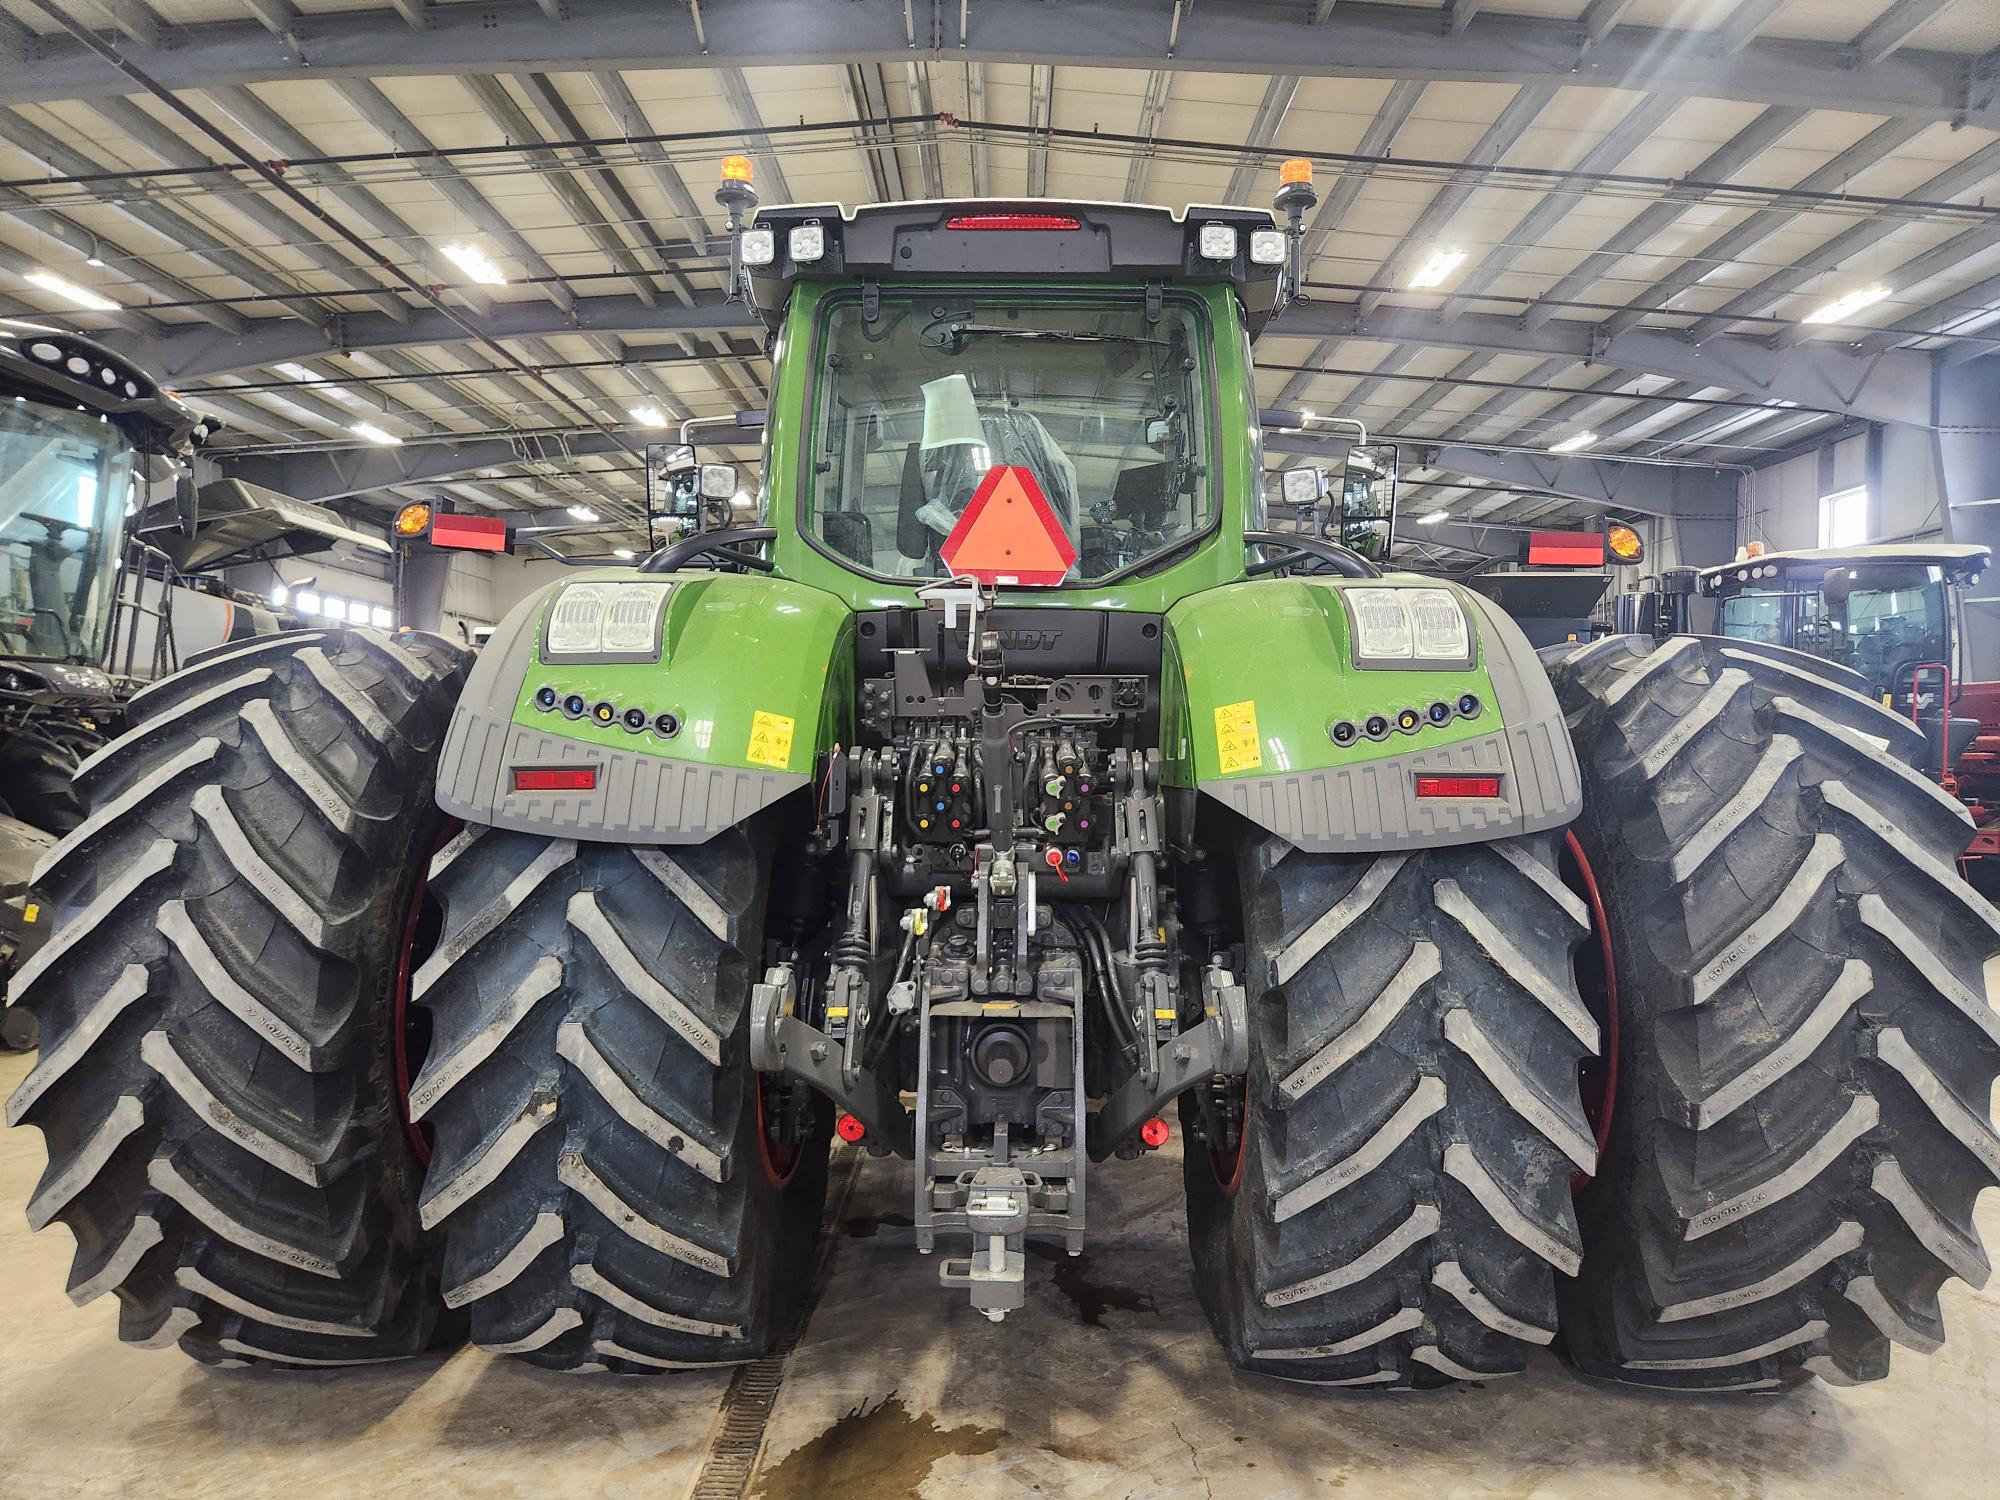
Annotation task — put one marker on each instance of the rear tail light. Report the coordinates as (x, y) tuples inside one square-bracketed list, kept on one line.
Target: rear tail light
[(557, 779), (1012, 221), (473, 533), (1458, 786)]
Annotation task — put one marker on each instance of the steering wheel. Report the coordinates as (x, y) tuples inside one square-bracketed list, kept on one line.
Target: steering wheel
[(720, 545), (1307, 555)]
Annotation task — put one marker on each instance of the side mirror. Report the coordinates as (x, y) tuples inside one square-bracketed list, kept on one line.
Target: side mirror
[(673, 479), (1367, 520), (187, 503)]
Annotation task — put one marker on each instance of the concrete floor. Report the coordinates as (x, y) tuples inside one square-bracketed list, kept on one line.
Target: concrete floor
[(1107, 1386)]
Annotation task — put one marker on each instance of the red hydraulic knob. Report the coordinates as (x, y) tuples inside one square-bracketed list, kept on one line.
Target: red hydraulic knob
[(850, 1129)]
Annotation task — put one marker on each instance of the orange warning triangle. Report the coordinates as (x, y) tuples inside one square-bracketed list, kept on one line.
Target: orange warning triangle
[(1009, 533)]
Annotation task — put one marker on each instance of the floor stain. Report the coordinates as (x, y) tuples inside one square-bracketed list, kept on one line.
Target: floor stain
[(865, 1226), (883, 1452), (1091, 1298)]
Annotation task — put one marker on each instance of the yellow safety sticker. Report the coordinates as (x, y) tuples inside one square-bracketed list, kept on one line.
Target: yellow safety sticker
[(770, 740), (32, 912), (1236, 744)]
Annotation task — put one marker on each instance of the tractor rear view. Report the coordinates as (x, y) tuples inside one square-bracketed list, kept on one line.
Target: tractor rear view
[(1005, 796)]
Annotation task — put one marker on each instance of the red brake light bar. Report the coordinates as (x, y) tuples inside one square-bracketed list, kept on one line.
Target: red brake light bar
[(474, 533), (1458, 786), (1566, 549), (1012, 221), (560, 779)]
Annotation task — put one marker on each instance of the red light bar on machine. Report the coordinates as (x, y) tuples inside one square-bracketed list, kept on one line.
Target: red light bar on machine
[(556, 779), (1566, 549), (1012, 221), (1458, 786), (471, 533)]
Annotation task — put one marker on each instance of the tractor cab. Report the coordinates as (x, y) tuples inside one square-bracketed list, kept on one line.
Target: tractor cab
[(78, 427), (1890, 613), (1094, 354)]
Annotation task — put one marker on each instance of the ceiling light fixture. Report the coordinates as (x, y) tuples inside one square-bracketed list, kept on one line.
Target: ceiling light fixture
[(1842, 308), (648, 416), (475, 262), (1433, 272), (1434, 517), (1575, 443), (624, 554), (375, 434), (583, 512), (69, 291)]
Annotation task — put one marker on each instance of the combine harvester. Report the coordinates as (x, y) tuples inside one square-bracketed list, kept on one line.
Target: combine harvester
[(1003, 796)]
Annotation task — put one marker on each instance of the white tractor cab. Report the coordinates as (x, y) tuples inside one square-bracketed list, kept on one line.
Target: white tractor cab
[(1887, 612)]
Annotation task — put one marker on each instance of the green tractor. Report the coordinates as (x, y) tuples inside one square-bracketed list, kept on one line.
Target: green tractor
[(1005, 799)]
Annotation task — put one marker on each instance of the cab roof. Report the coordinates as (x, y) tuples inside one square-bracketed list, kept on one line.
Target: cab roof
[(53, 364), (1952, 555), (1123, 244)]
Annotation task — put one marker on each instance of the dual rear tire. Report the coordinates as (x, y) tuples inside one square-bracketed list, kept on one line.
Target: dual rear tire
[(1793, 1107), (232, 1056)]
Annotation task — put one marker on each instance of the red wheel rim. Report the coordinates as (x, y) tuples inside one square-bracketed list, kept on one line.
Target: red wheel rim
[(1228, 1165), (780, 1160), (1599, 982), (400, 1020)]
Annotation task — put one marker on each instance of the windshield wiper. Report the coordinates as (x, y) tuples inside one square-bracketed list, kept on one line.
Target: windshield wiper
[(1000, 330)]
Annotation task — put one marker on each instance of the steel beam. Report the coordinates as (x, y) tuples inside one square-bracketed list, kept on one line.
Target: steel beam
[(1735, 242), (1357, 41), (193, 353), (1498, 139), (176, 226), (1968, 470), (1892, 387), (1731, 157), (1891, 29)]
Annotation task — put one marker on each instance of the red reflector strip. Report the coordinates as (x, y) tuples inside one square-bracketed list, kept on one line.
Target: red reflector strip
[(1458, 786), (1012, 221), (1566, 549), (563, 779), (474, 533)]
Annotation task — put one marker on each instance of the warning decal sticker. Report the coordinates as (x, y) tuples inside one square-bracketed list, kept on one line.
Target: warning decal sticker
[(770, 741), (1236, 744)]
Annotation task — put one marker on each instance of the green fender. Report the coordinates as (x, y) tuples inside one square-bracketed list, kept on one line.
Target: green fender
[(755, 676), (1258, 674)]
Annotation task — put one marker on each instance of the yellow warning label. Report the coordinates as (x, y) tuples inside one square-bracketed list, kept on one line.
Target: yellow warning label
[(31, 912), (1236, 745), (770, 741)]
